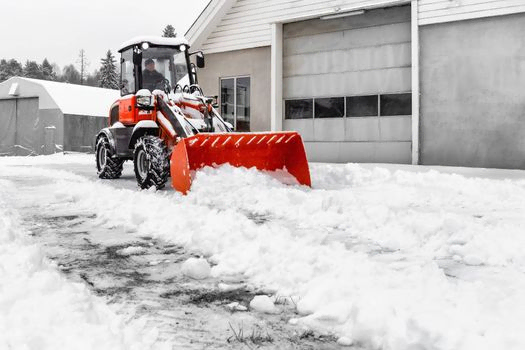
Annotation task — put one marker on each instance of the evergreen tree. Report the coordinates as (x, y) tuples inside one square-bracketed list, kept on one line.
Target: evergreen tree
[(169, 32), (47, 70), (8, 69), (93, 79), (108, 72), (3, 70), (33, 70), (70, 75)]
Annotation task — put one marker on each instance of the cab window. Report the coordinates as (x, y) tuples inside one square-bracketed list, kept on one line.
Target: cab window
[(127, 82)]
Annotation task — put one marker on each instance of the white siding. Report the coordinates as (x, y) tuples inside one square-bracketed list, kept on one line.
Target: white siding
[(247, 22), (439, 11)]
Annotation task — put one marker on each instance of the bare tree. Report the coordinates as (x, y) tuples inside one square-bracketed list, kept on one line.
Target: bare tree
[(82, 60)]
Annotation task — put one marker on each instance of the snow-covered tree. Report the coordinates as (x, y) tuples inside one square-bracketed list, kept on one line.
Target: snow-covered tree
[(108, 72), (48, 71), (57, 70), (70, 75), (14, 68), (93, 78), (3, 70), (169, 32), (33, 70)]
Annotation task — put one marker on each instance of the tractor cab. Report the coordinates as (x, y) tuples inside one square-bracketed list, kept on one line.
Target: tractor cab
[(155, 63)]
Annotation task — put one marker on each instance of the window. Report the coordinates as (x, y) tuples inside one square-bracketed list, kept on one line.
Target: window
[(333, 107), (127, 83), (396, 104), (243, 104), (235, 102), (162, 63), (298, 109), (362, 106)]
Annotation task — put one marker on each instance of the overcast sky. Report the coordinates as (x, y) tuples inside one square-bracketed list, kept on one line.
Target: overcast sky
[(58, 29)]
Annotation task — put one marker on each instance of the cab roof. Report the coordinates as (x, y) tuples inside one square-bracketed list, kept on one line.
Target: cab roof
[(154, 40)]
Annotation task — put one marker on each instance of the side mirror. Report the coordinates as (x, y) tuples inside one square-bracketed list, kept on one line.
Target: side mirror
[(200, 60)]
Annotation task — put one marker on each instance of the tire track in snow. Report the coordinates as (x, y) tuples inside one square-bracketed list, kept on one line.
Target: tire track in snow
[(189, 314)]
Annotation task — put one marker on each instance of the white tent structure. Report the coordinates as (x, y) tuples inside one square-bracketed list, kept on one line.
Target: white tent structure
[(42, 117)]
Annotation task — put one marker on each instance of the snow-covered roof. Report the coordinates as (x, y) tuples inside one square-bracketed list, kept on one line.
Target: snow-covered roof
[(70, 98), (154, 40)]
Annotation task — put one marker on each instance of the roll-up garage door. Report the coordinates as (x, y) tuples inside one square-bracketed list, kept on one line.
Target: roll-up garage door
[(8, 127), (21, 131), (347, 85)]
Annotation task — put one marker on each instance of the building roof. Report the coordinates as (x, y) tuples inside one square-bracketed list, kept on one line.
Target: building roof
[(207, 21), (69, 98)]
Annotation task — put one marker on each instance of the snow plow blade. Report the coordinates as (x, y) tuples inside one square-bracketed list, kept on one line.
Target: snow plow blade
[(266, 151)]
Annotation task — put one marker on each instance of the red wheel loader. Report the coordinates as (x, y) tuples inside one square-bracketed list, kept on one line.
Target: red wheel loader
[(167, 126)]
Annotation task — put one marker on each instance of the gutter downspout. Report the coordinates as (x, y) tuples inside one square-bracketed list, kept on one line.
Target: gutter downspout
[(415, 82), (276, 109)]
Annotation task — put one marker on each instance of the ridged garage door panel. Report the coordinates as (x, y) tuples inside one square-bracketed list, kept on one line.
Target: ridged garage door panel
[(367, 54)]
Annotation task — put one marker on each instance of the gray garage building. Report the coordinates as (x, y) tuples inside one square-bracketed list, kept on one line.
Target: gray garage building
[(43, 117), (437, 82)]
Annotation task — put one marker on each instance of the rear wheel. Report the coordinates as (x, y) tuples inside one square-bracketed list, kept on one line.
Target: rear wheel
[(108, 167), (151, 163)]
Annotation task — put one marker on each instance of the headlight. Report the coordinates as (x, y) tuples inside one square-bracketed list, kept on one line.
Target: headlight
[(144, 100)]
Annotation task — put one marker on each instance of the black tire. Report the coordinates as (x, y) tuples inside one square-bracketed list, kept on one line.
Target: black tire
[(108, 166), (151, 162)]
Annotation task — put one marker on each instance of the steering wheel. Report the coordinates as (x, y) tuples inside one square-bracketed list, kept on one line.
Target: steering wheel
[(165, 85)]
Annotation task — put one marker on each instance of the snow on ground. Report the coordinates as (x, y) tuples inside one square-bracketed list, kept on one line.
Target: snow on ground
[(40, 309), (384, 257)]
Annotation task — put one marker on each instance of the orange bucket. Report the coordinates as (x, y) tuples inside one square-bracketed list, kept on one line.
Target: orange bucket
[(269, 151)]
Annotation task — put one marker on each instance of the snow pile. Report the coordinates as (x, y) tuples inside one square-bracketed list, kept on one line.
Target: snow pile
[(198, 269), (263, 303), (57, 158), (132, 250), (40, 309), (382, 259)]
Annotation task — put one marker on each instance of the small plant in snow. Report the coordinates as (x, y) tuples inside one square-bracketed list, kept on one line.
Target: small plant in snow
[(256, 337)]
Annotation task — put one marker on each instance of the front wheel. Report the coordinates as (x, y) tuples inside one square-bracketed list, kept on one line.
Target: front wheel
[(108, 167), (151, 162)]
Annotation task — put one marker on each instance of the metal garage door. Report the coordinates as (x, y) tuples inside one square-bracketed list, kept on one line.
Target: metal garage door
[(347, 85), (20, 132)]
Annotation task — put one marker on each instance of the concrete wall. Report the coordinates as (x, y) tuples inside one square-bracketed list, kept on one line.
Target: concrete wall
[(53, 118), (80, 131), (251, 62), (473, 93)]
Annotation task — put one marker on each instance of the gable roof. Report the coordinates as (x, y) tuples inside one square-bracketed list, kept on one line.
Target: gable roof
[(228, 25), (207, 21), (69, 98)]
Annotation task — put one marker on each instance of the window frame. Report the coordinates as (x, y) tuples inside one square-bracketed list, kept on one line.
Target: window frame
[(123, 59), (235, 77), (299, 99), (329, 98), (345, 100)]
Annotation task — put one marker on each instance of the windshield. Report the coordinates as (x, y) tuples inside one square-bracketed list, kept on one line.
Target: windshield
[(160, 63)]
